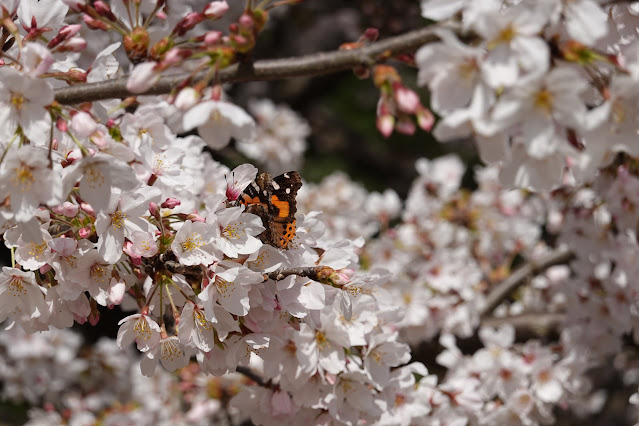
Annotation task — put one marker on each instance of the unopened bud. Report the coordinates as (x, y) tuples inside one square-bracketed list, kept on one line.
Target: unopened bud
[(65, 33), (104, 10), (385, 124), (94, 24), (76, 75), (84, 232), (75, 44), (216, 9), (61, 124), (246, 22), (212, 37), (406, 126), (425, 118), (186, 98), (241, 43), (187, 23), (175, 56), (385, 120), (171, 203), (406, 99), (87, 208), (370, 35), (67, 209)]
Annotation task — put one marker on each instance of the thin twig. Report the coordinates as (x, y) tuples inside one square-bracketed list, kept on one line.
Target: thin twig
[(312, 272), (251, 375), (531, 323), (518, 278), (272, 69)]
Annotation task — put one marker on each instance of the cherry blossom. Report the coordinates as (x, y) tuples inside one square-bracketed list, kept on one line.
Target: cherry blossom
[(22, 103), (218, 121), (26, 178)]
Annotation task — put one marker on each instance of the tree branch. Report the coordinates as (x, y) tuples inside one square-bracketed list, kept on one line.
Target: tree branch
[(246, 371), (272, 69), (518, 278), (528, 325), (313, 272)]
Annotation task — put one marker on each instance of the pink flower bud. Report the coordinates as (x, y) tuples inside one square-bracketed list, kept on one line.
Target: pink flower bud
[(66, 209), (87, 209), (94, 24), (370, 35), (405, 126), (65, 33), (76, 44), (186, 98), (77, 75), (44, 268), (83, 125), (212, 37), (174, 56), (406, 99), (171, 203), (153, 209), (94, 318), (385, 124), (216, 9), (104, 10), (84, 232), (69, 31), (116, 292), (239, 39), (425, 118), (61, 124), (188, 22), (246, 21)]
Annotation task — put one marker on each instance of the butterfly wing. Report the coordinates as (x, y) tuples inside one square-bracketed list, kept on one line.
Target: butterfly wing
[(282, 208)]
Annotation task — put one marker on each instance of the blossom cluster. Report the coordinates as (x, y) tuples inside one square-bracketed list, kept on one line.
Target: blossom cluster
[(547, 89), (505, 381), (109, 207)]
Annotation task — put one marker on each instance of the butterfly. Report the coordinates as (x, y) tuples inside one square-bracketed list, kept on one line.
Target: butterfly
[(273, 200)]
